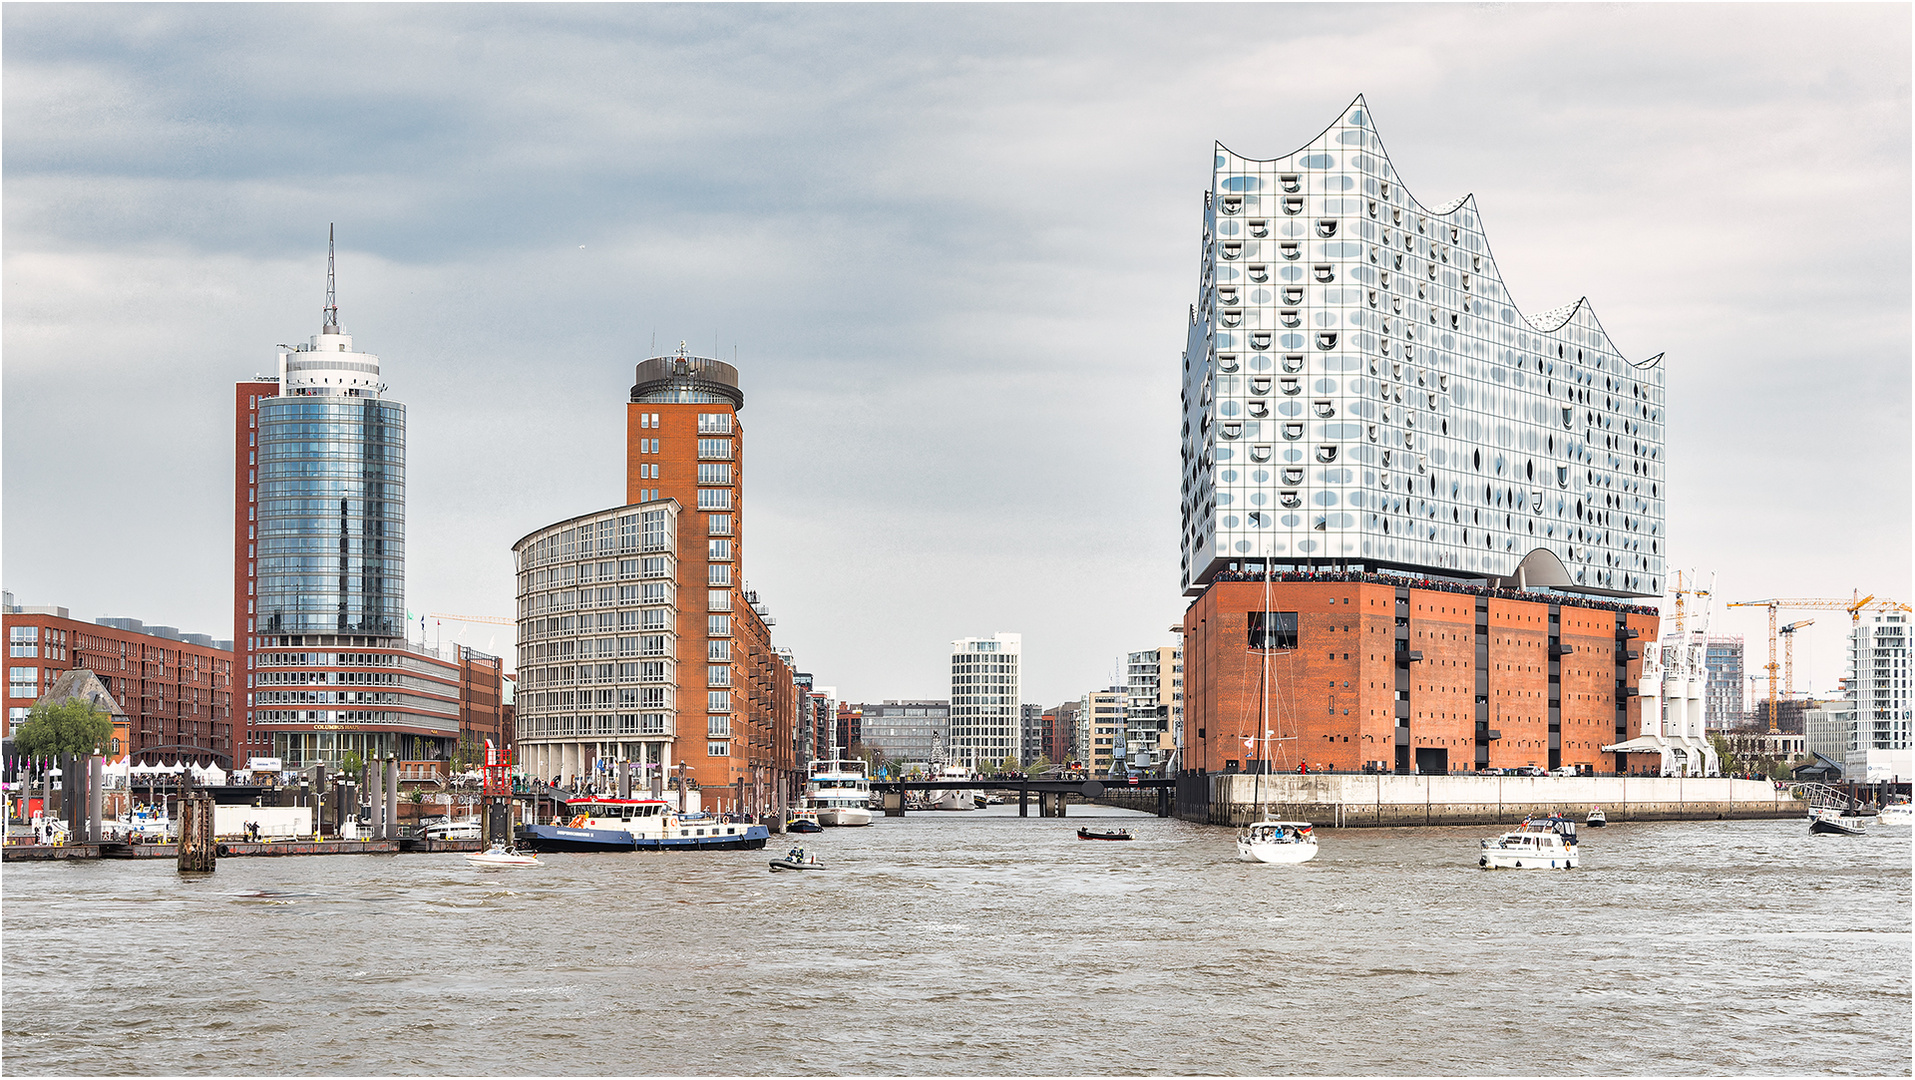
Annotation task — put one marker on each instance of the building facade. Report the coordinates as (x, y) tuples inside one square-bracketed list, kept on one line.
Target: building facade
[(1370, 674), (1728, 685), (1878, 745), (1361, 391), (1438, 489), (598, 679), (908, 731), (986, 719), (1154, 680), (1030, 728), (738, 699), (176, 690), (319, 614), (1060, 733), (1101, 715)]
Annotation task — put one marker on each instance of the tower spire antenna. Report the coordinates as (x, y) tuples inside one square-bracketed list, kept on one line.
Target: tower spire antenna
[(332, 295)]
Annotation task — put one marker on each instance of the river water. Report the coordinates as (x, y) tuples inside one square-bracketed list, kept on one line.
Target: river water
[(981, 943)]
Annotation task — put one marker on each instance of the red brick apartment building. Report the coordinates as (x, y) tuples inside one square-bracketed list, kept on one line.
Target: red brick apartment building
[(176, 691)]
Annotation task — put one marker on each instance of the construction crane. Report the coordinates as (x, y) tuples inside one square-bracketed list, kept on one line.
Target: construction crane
[(1788, 655), (443, 617), (1854, 606), (1679, 592)]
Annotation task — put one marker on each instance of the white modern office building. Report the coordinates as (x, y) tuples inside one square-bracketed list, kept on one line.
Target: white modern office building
[(1362, 392), (1878, 746), (598, 644), (985, 719)]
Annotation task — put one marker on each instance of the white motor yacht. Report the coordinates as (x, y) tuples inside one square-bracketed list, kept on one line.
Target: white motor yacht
[(954, 798), (1897, 812), (1538, 844), (839, 792), (1278, 842)]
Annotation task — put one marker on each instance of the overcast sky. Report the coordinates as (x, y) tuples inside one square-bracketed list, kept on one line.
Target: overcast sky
[(952, 250)]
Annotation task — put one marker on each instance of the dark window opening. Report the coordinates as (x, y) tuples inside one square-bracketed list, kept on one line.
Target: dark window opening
[(1279, 633)]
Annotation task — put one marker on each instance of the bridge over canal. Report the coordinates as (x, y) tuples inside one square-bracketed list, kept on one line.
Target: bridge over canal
[(1051, 794)]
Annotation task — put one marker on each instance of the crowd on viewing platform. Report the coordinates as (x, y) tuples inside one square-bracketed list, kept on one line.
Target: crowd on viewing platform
[(1436, 585)]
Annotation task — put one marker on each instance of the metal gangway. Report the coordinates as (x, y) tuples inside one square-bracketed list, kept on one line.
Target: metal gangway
[(1821, 796)]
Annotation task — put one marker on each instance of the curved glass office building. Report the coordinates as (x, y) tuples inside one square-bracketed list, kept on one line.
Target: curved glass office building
[(331, 512)]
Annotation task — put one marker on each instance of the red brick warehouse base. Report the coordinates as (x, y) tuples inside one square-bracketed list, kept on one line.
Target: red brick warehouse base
[(1402, 679)]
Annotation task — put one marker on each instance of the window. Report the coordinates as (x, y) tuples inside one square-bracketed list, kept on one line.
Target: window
[(1260, 339), (717, 749), (23, 682), (1232, 204), (1259, 273), (1324, 273), (1326, 227), (718, 727), (715, 448), (1324, 409), (718, 525), (718, 574), (718, 626), (1293, 205), (1260, 228), (718, 600), (718, 550), (718, 675), (1273, 629), (714, 423), (714, 498), (1290, 500), (1226, 362), (650, 645), (718, 652), (1293, 363), (1232, 249), (1289, 249), (718, 700), (1293, 431), (1290, 385), (714, 474), (1232, 318)]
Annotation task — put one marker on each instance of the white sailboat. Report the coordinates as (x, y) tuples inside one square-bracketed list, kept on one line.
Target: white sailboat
[(1270, 840)]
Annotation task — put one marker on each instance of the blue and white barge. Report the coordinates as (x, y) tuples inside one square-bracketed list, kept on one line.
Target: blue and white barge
[(605, 824)]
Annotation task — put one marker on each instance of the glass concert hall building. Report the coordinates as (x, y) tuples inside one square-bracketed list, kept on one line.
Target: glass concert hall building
[(1364, 406)]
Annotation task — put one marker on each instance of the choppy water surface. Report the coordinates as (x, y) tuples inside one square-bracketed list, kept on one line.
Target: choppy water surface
[(980, 943)]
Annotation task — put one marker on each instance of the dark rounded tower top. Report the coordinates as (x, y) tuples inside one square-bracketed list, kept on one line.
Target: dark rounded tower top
[(682, 378)]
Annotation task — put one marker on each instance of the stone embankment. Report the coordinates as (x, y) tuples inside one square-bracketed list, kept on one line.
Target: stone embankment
[(1358, 800)]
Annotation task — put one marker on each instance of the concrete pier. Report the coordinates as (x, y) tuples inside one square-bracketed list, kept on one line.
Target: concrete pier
[(1358, 800)]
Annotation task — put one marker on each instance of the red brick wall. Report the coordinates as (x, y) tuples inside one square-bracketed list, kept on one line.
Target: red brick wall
[(1334, 696)]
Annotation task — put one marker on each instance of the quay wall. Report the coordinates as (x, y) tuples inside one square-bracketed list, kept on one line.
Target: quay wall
[(1358, 800)]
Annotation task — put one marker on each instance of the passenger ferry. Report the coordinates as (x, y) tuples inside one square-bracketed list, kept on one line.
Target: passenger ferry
[(604, 824), (840, 792), (1538, 844)]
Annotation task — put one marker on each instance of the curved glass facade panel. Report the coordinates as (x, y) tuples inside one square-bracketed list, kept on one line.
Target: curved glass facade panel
[(1419, 421), (331, 520)]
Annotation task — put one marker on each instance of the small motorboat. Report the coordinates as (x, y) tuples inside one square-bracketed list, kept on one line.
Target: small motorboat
[(1896, 812), (1835, 821), (804, 821), (1595, 820), (1280, 842), (1103, 834), (797, 859), (1538, 844), (501, 855)]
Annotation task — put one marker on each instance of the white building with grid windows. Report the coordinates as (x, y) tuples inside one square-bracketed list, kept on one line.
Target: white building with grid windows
[(1878, 744), (598, 680), (1361, 391), (985, 719)]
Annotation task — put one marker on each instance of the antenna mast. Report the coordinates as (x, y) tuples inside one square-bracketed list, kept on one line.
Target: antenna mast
[(332, 296)]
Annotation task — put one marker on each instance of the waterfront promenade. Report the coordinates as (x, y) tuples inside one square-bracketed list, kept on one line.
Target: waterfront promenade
[(1358, 800)]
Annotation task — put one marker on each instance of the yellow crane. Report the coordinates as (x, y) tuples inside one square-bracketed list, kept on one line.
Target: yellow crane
[(1854, 606), (1680, 592), (1788, 655)]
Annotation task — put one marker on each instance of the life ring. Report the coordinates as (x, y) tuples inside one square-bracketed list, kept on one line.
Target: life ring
[(578, 822)]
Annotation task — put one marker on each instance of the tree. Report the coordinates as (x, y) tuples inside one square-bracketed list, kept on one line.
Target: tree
[(1730, 766), (72, 726), (350, 763), (1037, 766)]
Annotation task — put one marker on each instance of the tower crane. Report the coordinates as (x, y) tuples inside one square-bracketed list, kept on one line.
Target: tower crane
[(1679, 591), (1788, 655), (1854, 606)]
